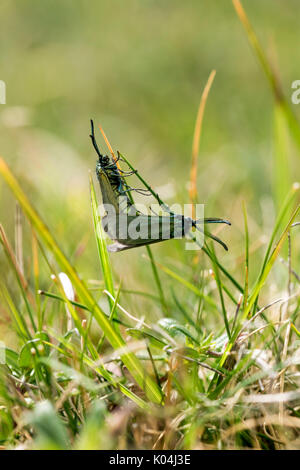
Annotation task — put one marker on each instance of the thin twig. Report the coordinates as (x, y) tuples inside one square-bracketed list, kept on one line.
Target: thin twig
[(19, 238)]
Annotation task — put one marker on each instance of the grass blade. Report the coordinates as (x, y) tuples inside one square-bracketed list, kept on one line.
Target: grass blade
[(101, 245), (273, 80), (157, 280), (259, 284), (219, 285), (187, 284)]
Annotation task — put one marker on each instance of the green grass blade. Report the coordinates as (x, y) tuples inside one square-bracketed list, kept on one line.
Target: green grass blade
[(208, 252), (268, 265), (20, 280), (280, 218), (187, 284), (77, 304), (101, 245), (20, 322), (219, 285), (259, 284), (268, 69), (157, 280)]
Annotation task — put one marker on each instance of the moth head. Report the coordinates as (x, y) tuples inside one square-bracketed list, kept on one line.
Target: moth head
[(102, 163)]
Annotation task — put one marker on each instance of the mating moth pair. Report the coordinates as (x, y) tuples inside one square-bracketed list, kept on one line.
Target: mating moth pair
[(128, 227)]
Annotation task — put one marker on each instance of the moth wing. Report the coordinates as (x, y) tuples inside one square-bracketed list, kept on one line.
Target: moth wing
[(146, 229), (115, 247), (108, 195)]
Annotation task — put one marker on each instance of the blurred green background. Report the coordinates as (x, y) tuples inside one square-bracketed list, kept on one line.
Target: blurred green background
[(138, 68)]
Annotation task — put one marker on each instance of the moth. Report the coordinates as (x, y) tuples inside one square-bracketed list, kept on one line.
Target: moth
[(127, 226)]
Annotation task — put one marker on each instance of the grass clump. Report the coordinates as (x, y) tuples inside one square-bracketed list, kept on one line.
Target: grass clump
[(206, 358), (175, 383)]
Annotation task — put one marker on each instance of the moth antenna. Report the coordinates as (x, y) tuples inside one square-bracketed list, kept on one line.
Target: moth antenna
[(93, 139), (210, 235), (214, 220)]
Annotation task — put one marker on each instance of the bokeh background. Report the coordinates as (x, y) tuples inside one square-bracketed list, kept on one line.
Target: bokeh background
[(138, 68)]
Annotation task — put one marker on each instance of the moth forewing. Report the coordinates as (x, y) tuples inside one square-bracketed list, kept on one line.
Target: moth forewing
[(138, 230), (109, 198)]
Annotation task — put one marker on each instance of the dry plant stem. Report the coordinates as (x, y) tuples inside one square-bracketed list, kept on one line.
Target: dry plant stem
[(19, 238), (201, 364), (196, 139), (289, 421), (65, 394), (293, 272), (259, 329), (273, 435), (35, 262), (109, 147), (237, 311), (288, 329), (261, 311), (13, 258), (138, 320)]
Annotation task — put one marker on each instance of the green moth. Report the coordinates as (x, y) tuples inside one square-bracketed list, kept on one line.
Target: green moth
[(128, 227)]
